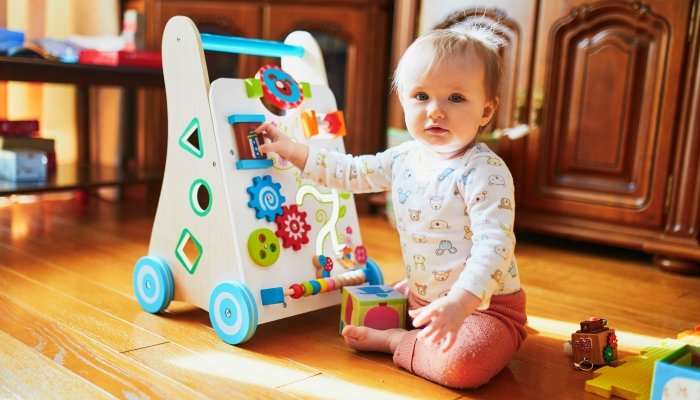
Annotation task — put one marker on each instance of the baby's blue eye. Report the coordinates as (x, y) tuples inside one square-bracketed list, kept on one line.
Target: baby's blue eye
[(456, 98), (422, 96)]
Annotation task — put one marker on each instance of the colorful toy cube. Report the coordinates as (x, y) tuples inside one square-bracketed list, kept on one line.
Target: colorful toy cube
[(594, 342), (677, 377), (374, 306)]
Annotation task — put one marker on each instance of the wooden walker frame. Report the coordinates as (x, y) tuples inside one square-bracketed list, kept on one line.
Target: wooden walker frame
[(213, 242)]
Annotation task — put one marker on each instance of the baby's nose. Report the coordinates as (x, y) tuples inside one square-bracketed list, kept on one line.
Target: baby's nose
[(435, 111)]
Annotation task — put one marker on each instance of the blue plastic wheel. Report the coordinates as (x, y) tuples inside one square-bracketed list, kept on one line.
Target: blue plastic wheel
[(233, 312), (153, 284), (373, 274)]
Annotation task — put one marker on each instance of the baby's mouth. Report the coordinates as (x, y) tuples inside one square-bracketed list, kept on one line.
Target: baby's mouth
[(435, 129)]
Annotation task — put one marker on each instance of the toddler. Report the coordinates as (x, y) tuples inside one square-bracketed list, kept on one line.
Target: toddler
[(453, 200)]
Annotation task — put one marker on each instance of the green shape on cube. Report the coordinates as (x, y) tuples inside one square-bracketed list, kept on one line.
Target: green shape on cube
[(305, 89), (253, 88)]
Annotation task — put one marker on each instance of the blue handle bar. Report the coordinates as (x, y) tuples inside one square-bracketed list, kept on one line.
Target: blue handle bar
[(256, 47)]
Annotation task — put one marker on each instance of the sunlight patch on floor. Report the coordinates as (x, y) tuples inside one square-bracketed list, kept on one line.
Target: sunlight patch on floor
[(555, 329), (220, 364), (326, 387)]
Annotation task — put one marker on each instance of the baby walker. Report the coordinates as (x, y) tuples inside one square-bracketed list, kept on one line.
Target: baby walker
[(236, 233)]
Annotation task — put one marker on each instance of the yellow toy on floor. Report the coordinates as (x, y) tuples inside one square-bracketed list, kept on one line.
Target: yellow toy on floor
[(235, 233)]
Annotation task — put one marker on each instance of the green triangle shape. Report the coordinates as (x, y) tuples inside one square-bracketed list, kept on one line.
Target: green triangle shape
[(180, 251), (191, 139)]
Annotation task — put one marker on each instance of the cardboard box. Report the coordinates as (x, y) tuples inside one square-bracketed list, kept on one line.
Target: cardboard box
[(23, 165)]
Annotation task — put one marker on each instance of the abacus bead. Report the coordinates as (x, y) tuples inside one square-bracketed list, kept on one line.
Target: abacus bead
[(316, 287), (322, 260), (298, 291), (308, 289), (363, 278), (330, 282), (324, 285), (338, 282)]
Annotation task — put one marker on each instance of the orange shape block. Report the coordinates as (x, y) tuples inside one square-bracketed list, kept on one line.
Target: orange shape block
[(310, 123)]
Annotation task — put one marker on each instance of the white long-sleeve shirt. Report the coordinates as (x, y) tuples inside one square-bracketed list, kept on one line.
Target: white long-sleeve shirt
[(455, 218)]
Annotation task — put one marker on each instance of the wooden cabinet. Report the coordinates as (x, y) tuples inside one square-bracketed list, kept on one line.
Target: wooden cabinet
[(612, 104), (354, 36)]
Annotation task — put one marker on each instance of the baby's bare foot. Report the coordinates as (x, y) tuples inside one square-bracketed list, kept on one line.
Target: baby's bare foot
[(368, 339)]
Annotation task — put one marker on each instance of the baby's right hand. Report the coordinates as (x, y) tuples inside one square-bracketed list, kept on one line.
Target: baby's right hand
[(279, 143)]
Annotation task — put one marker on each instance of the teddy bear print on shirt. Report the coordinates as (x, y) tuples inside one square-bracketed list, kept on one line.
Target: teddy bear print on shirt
[(497, 276), (353, 172), (442, 275), (436, 202), (505, 204), (478, 198), (418, 238)]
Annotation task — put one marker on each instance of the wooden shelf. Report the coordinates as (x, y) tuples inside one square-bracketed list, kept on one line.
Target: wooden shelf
[(35, 70), (70, 177)]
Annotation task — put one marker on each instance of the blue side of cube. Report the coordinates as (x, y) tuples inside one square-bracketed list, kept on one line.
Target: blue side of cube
[(665, 371)]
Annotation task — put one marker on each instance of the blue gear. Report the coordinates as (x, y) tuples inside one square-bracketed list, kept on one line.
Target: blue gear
[(265, 198)]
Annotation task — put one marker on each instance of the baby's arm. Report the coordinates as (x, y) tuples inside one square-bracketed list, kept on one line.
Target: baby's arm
[(444, 317), (367, 173), (295, 153)]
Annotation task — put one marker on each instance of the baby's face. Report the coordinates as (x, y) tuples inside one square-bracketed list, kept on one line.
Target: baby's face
[(445, 107)]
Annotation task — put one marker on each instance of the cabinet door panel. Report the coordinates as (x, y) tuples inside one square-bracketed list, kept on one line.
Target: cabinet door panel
[(610, 74)]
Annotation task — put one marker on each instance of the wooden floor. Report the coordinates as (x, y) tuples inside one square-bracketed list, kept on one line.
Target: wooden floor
[(70, 326)]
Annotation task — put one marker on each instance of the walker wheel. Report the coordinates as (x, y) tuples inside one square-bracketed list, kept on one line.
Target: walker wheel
[(233, 312), (153, 284)]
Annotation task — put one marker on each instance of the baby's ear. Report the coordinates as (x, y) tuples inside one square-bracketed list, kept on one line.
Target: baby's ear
[(489, 109)]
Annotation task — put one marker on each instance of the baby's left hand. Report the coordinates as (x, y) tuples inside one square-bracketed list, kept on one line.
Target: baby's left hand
[(444, 317)]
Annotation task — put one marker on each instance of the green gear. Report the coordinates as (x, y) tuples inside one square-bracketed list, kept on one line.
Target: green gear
[(608, 353)]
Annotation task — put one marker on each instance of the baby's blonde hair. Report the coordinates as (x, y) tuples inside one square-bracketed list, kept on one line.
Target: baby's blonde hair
[(472, 34)]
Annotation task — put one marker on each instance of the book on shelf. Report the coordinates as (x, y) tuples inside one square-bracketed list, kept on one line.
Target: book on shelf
[(138, 58), (19, 128)]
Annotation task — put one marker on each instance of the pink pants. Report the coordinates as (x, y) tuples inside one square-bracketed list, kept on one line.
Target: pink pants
[(485, 344)]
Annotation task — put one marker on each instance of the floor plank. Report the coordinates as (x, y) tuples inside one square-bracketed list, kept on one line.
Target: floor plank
[(95, 363), (210, 374), (98, 325), (172, 326), (18, 375)]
